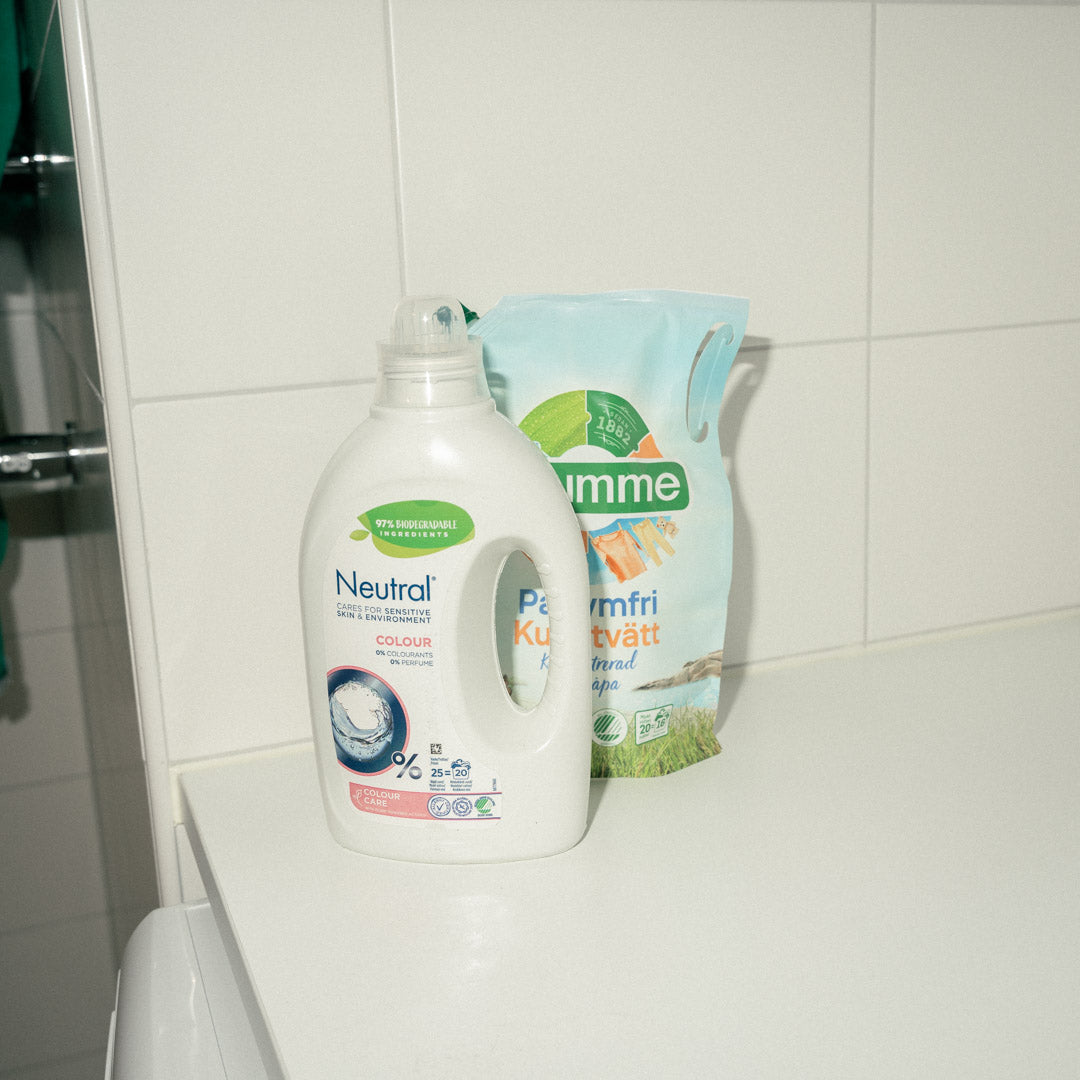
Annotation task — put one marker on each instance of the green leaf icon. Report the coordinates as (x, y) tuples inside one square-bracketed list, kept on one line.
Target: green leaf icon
[(359, 534), (412, 527)]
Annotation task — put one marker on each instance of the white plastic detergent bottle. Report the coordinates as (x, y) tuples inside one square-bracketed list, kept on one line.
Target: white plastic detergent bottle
[(421, 753)]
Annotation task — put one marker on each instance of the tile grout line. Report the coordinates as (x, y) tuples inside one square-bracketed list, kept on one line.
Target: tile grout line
[(916, 638), (253, 391), (395, 143), (869, 322), (771, 346)]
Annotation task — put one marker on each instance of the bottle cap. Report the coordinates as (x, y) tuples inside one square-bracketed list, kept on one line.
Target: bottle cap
[(429, 326), (430, 360)]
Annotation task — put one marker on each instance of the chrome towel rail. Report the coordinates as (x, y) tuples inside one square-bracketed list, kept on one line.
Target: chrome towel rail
[(37, 164), (52, 462)]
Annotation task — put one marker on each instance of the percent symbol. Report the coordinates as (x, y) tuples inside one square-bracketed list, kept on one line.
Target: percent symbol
[(398, 758)]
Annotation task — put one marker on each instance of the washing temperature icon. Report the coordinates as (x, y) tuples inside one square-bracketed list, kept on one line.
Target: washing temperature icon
[(414, 770)]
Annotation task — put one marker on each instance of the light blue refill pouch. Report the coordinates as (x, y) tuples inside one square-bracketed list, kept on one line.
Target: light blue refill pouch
[(622, 391)]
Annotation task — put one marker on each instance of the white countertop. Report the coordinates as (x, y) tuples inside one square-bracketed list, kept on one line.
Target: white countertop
[(879, 877)]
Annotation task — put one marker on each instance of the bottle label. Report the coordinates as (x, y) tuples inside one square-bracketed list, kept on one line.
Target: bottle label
[(383, 592)]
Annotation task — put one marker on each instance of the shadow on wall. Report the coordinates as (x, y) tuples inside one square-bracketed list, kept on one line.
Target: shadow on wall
[(747, 373)]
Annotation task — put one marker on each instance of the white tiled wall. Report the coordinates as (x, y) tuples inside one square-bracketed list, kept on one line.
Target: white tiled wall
[(973, 513), (976, 158), (248, 157), (578, 146), (228, 639), (894, 187)]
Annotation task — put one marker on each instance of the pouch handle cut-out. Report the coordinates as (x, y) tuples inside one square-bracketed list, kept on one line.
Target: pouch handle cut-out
[(483, 711), (708, 374)]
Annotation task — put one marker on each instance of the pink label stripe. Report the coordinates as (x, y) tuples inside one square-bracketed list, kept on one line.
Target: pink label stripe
[(416, 804), (385, 801)]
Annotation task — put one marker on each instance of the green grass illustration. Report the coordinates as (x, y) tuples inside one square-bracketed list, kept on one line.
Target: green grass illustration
[(690, 739)]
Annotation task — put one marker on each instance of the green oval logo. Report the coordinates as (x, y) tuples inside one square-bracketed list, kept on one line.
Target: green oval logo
[(413, 527), (609, 727)]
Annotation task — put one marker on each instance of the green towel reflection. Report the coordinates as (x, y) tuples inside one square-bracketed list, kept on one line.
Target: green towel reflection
[(10, 75)]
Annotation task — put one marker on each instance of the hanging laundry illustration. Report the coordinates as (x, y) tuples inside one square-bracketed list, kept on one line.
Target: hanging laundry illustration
[(620, 554), (650, 537)]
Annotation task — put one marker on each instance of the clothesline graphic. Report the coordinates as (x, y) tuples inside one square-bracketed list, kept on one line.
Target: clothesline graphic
[(628, 547)]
